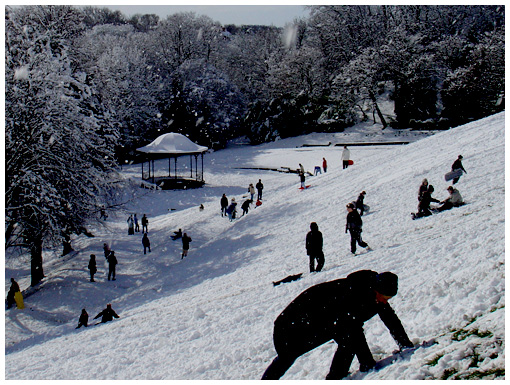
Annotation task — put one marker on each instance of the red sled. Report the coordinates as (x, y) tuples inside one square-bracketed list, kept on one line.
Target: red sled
[(350, 162), (302, 188)]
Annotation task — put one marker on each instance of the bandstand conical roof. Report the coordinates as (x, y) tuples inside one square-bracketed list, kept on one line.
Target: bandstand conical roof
[(172, 144)]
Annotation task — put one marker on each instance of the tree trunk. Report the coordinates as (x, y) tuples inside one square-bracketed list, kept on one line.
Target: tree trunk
[(379, 113), (36, 260)]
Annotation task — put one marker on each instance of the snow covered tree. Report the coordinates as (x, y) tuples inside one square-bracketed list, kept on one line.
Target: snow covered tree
[(57, 166)]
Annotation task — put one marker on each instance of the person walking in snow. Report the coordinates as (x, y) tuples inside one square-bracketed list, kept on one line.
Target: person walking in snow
[(231, 210), (224, 205), (131, 225), (185, 245), (112, 264), (245, 206), (145, 224), (454, 200), (146, 243), (346, 156), (336, 310), (324, 165), (359, 203), (251, 190), (137, 226), (259, 187), (83, 320), (107, 314), (457, 165), (92, 267), (314, 247), (424, 204), (354, 225), (12, 291)]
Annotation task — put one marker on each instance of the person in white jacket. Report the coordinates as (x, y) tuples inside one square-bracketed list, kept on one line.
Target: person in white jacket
[(346, 156)]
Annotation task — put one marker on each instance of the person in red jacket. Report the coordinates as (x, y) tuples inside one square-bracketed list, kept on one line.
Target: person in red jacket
[(336, 310)]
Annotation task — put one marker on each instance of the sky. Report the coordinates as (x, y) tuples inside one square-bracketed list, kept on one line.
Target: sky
[(261, 14)]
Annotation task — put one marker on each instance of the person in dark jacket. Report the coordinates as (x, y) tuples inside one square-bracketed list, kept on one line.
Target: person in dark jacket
[(457, 165), (224, 205), (92, 267), (231, 210), (146, 243), (177, 235), (185, 245), (10, 294), (314, 247), (112, 263), (359, 203), (84, 319), (423, 187), (107, 314), (424, 204), (354, 225), (145, 224), (246, 206), (336, 310), (259, 187), (302, 178)]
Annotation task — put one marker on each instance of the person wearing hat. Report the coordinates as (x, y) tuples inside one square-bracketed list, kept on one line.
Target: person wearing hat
[(457, 165), (354, 225), (336, 310)]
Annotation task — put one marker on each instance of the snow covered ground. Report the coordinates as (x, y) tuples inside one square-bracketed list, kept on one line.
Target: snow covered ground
[(210, 316)]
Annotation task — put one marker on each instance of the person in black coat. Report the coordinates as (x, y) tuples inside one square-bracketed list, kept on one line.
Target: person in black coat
[(246, 206), (359, 203), (259, 187), (10, 294), (112, 263), (84, 319), (314, 247), (224, 205), (92, 267), (336, 310), (146, 243), (457, 165), (424, 204), (107, 314), (354, 225), (185, 245)]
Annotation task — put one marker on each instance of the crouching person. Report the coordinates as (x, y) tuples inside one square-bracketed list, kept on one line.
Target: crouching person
[(336, 310)]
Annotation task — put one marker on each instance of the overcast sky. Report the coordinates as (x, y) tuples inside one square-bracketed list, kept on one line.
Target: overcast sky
[(277, 15)]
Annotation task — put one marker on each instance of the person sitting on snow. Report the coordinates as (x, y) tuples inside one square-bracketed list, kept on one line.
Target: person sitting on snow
[(107, 314), (454, 200)]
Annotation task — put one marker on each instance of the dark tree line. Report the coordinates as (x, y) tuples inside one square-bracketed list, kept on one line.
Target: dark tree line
[(98, 84)]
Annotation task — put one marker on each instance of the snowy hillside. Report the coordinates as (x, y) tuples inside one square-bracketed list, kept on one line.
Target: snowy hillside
[(210, 316)]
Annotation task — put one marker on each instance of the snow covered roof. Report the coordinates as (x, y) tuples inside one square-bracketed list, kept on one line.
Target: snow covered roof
[(172, 143)]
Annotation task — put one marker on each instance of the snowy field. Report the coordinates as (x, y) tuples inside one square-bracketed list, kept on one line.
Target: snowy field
[(210, 316)]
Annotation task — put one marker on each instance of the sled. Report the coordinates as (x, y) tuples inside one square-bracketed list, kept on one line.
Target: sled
[(350, 162), (19, 300), (302, 188), (452, 174)]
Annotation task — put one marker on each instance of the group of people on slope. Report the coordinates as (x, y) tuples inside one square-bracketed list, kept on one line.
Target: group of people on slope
[(230, 209), (134, 226), (425, 195), (106, 315)]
